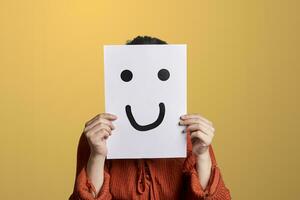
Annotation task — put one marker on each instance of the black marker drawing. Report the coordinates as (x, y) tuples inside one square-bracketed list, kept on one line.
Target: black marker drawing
[(163, 74), (147, 127), (126, 75)]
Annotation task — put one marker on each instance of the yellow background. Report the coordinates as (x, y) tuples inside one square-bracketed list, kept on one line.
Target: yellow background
[(243, 74)]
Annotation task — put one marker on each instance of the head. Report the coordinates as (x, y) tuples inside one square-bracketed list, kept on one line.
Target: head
[(145, 40)]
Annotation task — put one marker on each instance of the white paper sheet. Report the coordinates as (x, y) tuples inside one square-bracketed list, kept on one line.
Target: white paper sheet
[(152, 133)]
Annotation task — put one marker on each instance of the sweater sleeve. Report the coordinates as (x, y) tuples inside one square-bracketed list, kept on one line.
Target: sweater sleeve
[(83, 187), (215, 190)]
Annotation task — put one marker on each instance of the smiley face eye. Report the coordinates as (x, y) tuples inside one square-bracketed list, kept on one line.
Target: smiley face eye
[(163, 74), (126, 75)]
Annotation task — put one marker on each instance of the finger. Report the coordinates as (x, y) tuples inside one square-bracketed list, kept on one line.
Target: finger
[(104, 134), (202, 136), (100, 121), (97, 128), (203, 127), (201, 124), (108, 116), (194, 127), (189, 121), (197, 116), (92, 120)]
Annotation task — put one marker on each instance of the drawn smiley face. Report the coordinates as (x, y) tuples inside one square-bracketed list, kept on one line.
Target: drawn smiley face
[(163, 75), (145, 86)]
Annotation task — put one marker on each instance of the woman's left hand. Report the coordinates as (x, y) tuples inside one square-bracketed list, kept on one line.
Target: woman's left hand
[(201, 130)]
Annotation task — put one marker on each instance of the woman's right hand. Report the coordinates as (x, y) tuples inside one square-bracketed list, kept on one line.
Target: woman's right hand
[(97, 130)]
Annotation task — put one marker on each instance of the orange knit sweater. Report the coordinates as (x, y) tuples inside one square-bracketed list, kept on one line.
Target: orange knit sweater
[(148, 179)]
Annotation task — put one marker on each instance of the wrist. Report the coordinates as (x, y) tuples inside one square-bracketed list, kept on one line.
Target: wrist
[(204, 161), (97, 157), (205, 156)]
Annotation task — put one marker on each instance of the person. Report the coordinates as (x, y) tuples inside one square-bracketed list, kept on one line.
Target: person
[(195, 177)]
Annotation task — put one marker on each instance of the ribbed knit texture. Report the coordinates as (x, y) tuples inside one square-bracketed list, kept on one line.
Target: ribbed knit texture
[(148, 179)]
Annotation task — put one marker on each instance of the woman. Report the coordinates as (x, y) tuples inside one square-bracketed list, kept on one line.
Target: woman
[(194, 177)]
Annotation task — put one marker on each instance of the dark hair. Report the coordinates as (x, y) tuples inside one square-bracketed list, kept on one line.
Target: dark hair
[(145, 40)]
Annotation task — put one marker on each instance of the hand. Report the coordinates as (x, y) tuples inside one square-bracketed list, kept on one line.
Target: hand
[(97, 130), (201, 130)]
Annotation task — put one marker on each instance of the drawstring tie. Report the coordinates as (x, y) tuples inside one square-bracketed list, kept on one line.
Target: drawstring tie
[(141, 178)]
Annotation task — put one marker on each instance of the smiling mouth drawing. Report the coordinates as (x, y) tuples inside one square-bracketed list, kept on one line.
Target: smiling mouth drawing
[(147, 127)]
